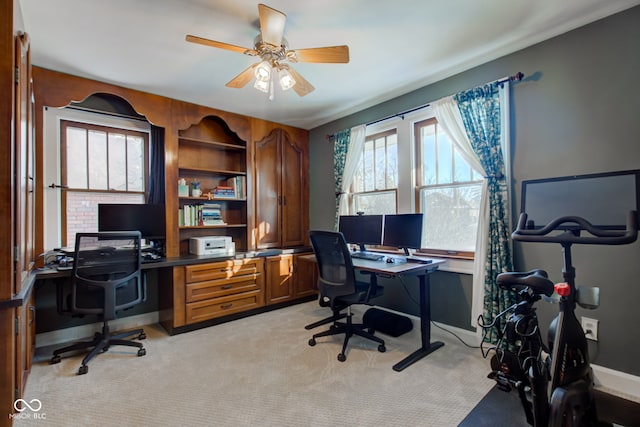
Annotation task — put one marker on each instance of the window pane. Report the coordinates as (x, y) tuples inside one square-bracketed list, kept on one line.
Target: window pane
[(392, 161), (117, 162), (380, 164), (369, 171), (445, 159), (451, 216), (97, 160), (76, 158), (462, 168), (380, 202), (135, 169), (428, 155)]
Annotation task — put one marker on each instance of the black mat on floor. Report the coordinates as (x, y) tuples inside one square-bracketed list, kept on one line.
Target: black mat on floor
[(497, 408)]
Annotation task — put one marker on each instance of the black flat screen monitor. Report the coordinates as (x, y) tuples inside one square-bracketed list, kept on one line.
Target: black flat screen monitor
[(403, 231), (603, 199), (148, 219), (361, 229)]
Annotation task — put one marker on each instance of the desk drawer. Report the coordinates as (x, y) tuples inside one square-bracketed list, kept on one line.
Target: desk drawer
[(217, 307), (222, 269), (221, 287)]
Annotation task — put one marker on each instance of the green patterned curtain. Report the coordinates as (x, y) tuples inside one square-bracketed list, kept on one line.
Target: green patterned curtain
[(480, 111), (340, 148)]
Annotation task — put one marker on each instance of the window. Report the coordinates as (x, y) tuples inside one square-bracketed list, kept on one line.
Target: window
[(447, 192), (99, 164), (375, 183)]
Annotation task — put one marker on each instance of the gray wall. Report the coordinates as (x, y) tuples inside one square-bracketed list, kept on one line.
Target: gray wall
[(577, 111)]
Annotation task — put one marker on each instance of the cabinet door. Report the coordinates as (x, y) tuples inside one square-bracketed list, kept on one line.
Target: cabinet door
[(268, 191), (25, 342), (25, 163), (279, 278), (306, 275), (293, 179)]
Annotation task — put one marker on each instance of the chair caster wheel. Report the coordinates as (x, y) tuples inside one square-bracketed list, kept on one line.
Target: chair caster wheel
[(142, 336), (83, 370), (342, 357), (142, 352), (382, 348), (55, 359), (312, 342)]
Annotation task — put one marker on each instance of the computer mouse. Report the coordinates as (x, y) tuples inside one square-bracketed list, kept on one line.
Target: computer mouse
[(390, 260)]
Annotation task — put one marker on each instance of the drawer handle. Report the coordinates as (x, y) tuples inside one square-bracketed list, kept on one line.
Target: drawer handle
[(226, 287), (225, 306)]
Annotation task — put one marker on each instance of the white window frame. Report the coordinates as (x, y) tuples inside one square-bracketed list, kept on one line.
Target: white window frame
[(406, 191)]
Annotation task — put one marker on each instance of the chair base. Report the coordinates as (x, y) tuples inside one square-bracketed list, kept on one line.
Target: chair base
[(101, 343), (349, 329)]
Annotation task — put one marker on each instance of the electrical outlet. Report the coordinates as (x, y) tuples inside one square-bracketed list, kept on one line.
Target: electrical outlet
[(590, 328)]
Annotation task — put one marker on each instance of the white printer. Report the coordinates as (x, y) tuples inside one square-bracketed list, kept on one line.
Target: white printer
[(212, 245)]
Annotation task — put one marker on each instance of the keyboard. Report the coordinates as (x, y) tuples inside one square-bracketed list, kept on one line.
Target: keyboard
[(367, 255)]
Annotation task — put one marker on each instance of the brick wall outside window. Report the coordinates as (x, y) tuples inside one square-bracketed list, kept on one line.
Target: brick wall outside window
[(82, 210)]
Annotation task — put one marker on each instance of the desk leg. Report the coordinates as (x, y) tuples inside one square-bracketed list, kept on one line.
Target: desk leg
[(427, 347)]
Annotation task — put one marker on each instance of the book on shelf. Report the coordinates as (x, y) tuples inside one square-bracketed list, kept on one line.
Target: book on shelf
[(224, 192), (239, 186), (200, 214)]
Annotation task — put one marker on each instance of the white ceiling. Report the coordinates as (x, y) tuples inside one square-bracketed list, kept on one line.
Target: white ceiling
[(395, 46)]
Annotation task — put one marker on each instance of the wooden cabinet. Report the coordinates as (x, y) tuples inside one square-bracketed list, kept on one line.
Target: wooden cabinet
[(221, 288), (289, 277), (17, 204), (281, 183), (25, 340), (306, 278), (210, 154)]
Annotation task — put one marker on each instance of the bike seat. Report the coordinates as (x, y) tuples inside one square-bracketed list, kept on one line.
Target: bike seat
[(536, 280)]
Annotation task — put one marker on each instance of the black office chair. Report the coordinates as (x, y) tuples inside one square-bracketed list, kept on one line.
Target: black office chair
[(106, 278), (339, 290)]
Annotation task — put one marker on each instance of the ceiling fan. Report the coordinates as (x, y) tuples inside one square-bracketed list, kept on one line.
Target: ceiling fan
[(274, 52)]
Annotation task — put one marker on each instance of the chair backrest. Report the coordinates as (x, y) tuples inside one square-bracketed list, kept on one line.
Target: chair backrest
[(106, 273), (337, 276)]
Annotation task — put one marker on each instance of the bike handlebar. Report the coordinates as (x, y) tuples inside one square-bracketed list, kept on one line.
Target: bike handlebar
[(598, 236)]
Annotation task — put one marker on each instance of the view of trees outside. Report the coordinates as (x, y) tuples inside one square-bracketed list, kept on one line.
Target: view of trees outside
[(376, 179), (449, 193)]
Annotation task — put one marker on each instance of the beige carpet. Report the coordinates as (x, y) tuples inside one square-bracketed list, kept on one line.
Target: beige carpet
[(260, 371)]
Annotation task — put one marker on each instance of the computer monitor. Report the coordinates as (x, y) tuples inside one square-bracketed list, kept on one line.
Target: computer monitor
[(603, 199), (361, 229), (403, 231), (149, 219)]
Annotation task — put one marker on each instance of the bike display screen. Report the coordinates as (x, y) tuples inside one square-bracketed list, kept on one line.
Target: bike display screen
[(602, 199)]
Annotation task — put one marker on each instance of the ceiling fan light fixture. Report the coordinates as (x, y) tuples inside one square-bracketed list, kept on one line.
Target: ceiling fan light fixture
[(263, 72), (262, 85), (286, 79)]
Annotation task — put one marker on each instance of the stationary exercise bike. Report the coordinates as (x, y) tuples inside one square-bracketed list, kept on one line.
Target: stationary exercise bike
[(555, 387)]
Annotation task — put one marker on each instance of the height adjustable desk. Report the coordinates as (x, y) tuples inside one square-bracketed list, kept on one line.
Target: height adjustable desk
[(422, 271)]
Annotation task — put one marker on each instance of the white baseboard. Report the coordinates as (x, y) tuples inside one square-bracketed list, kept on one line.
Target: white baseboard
[(76, 333), (618, 383)]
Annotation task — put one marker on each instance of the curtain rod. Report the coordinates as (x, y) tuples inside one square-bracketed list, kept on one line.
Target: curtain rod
[(514, 78)]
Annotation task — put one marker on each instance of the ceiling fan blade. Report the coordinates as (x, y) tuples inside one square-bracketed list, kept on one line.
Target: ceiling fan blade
[(227, 46), (302, 87), (271, 25), (243, 78), (329, 54)]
